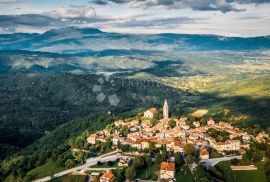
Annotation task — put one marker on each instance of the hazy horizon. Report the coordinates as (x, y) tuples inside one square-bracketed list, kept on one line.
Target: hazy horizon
[(232, 18)]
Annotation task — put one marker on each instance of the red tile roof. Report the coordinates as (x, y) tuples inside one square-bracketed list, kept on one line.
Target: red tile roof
[(153, 110), (109, 176), (204, 152), (167, 166)]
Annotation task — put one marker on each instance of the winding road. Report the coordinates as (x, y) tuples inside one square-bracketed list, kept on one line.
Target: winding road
[(112, 156), (212, 162)]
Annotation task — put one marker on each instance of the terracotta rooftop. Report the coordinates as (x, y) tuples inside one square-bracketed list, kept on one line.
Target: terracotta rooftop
[(167, 166), (109, 176), (204, 152), (153, 110), (93, 135)]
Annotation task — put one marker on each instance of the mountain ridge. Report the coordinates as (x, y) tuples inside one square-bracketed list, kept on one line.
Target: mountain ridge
[(67, 39), (101, 31)]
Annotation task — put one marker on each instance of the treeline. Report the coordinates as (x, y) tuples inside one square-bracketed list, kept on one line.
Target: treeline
[(33, 104), (54, 147)]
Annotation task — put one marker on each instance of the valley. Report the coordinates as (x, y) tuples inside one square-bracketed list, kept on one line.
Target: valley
[(53, 94)]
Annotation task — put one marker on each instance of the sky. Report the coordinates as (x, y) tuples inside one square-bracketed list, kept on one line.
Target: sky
[(244, 18)]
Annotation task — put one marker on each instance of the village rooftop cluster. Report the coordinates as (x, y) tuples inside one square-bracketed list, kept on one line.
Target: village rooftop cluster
[(174, 134)]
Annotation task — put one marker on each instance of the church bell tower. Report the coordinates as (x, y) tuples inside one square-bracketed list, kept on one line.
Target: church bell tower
[(165, 110)]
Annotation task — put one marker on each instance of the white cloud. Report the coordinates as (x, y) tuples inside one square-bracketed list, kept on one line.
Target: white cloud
[(74, 12), (11, 1), (252, 22)]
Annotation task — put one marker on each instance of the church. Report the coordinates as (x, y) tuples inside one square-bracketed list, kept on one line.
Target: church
[(150, 113)]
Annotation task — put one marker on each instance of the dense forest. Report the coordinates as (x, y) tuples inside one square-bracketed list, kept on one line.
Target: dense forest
[(41, 113), (31, 105)]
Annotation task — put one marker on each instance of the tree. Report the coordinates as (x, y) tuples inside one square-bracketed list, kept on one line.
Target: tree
[(200, 174), (256, 157), (215, 154), (160, 157), (106, 146), (61, 161), (127, 148), (69, 163), (235, 161), (120, 175), (257, 129), (245, 157), (179, 161), (215, 172), (81, 156), (154, 121), (99, 163), (130, 173), (147, 160), (191, 118), (203, 121), (189, 159), (138, 162), (124, 131), (220, 136), (172, 123), (189, 149), (110, 163), (267, 170), (119, 144), (152, 147)]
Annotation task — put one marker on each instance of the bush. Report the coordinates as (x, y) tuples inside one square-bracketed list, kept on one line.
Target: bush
[(215, 172), (99, 163), (235, 161), (110, 163)]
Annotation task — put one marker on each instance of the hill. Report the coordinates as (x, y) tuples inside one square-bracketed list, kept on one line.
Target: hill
[(74, 40)]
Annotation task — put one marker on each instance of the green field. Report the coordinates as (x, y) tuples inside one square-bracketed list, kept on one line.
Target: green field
[(42, 171), (148, 173), (70, 179), (184, 175), (242, 176)]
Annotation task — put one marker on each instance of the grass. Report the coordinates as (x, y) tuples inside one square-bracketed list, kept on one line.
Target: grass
[(148, 172), (71, 178), (253, 86), (42, 171), (184, 175), (242, 176)]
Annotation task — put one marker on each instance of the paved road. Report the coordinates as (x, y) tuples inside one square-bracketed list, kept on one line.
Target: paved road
[(211, 162), (112, 156)]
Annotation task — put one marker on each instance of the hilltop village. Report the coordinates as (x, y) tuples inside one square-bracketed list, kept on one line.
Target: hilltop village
[(174, 135)]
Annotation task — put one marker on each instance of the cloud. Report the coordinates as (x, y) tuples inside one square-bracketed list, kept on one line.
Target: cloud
[(13, 23), (99, 2), (249, 1), (27, 20), (74, 12), (201, 5), (251, 18), (11, 1), (165, 22)]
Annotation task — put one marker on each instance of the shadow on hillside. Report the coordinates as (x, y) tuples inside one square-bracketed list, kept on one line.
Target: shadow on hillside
[(31, 105), (166, 68)]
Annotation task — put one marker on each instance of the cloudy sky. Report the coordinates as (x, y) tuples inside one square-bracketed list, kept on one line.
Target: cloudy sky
[(222, 17)]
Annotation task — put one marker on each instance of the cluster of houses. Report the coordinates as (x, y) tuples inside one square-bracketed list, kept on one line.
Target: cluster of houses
[(105, 177), (142, 134), (167, 171)]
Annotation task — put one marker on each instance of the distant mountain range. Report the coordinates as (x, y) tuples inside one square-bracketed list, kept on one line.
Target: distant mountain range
[(90, 50), (90, 41)]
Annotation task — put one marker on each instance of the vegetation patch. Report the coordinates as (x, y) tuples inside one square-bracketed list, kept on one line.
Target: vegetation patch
[(242, 176)]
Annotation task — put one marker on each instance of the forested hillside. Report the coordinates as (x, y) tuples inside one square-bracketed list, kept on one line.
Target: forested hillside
[(31, 104)]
